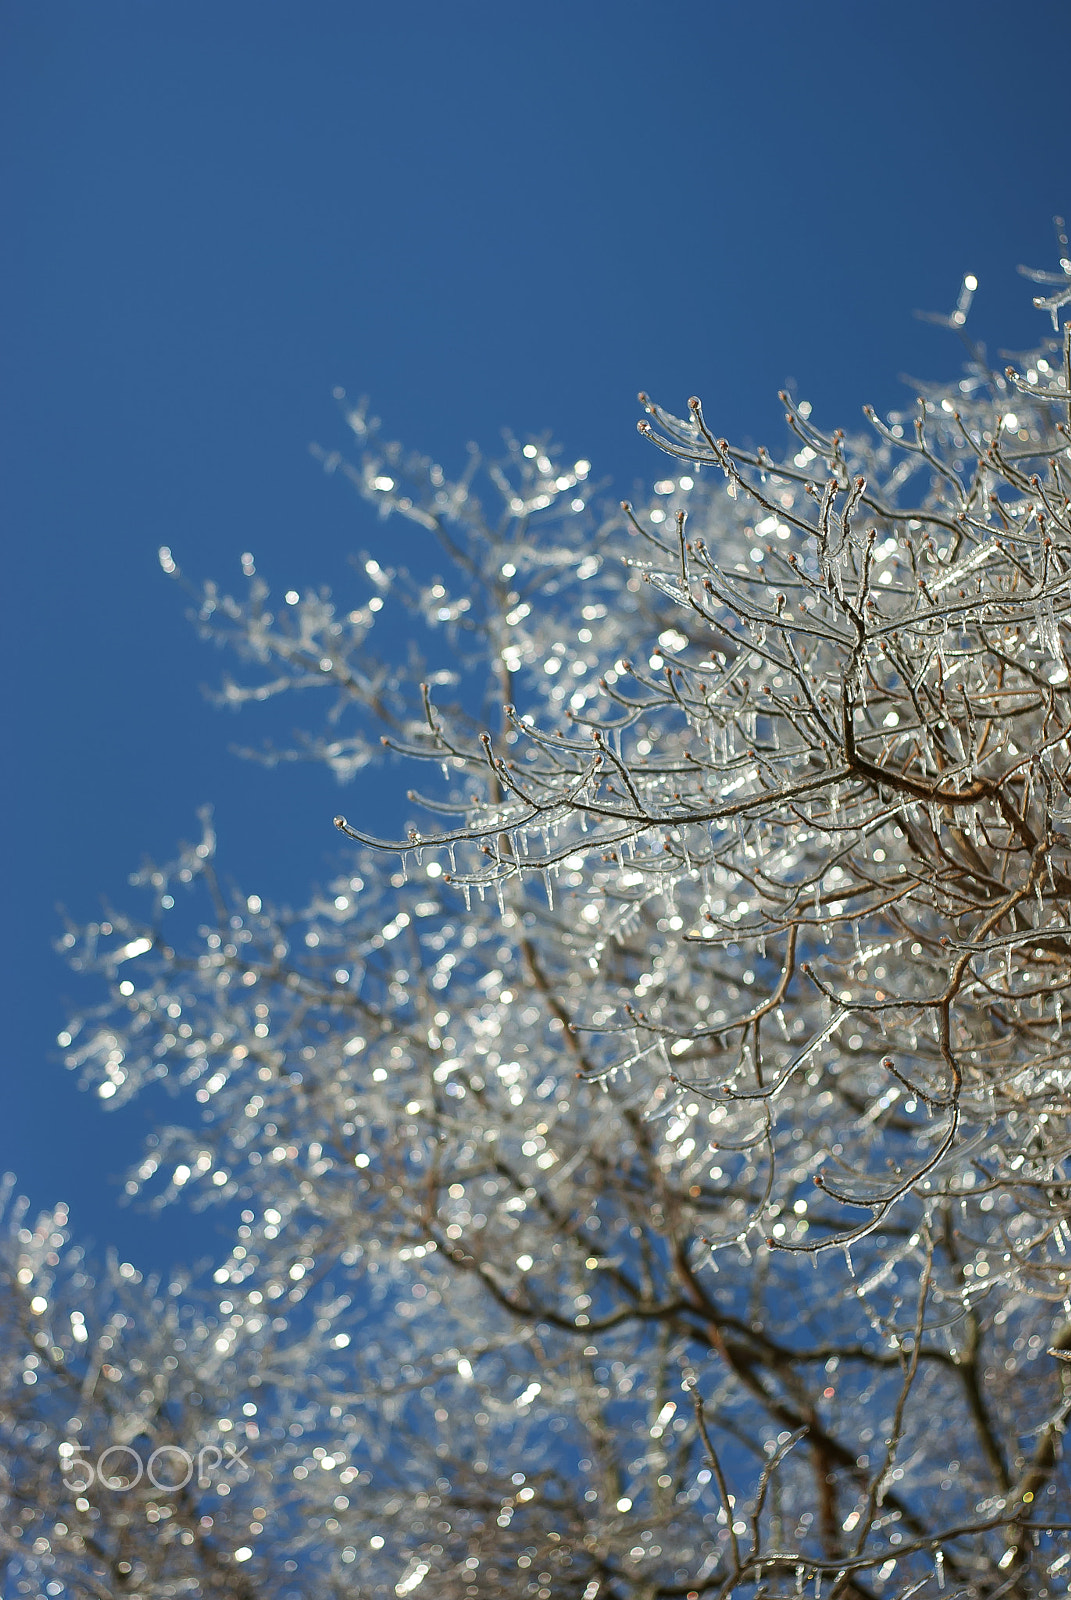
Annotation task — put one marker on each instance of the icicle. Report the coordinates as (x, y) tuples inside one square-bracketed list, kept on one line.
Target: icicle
[(548, 887), (848, 1261), (1048, 631), (466, 891), (501, 897), (405, 866)]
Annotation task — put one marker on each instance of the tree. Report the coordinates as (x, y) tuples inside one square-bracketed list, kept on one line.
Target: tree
[(656, 1186)]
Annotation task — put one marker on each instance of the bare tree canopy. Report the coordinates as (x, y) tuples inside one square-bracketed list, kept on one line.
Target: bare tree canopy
[(652, 1161)]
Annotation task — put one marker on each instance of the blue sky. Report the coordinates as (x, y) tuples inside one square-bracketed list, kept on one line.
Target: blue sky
[(480, 215)]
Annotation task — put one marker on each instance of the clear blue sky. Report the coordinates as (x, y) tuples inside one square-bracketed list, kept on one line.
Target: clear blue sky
[(480, 215)]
